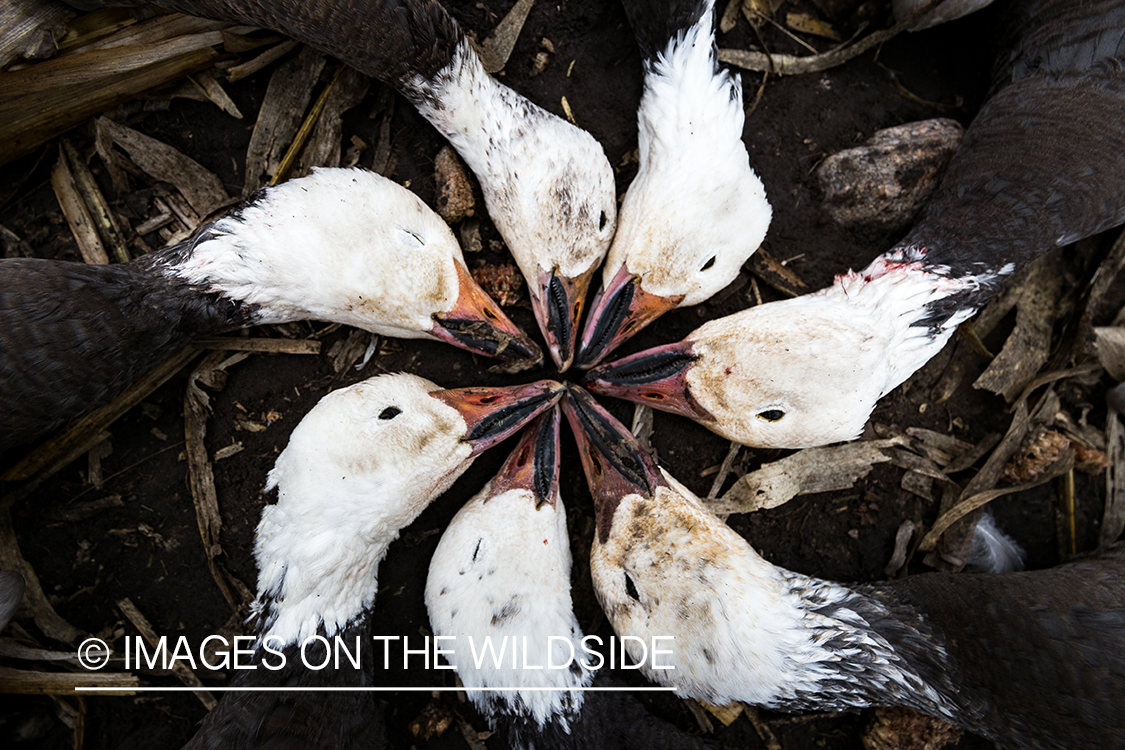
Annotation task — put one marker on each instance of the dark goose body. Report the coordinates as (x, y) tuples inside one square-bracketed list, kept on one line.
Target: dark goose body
[(1042, 165), (1033, 659), (51, 312), (1043, 162), (302, 719)]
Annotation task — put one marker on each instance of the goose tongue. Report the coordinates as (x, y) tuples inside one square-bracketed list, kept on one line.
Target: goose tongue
[(534, 464), (558, 308), (620, 310), (477, 324), (615, 463), (493, 414), (656, 377)]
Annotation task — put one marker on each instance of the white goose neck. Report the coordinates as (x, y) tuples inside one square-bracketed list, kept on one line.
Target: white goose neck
[(892, 296)]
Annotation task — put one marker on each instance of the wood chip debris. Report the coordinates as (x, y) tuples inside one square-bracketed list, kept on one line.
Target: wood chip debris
[(31, 29), (324, 147), (797, 65), (1038, 307), (201, 479), (202, 189), (895, 728), (805, 472), (44, 100), (1113, 518), (34, 599), (807, 24), (263, 345), (76, 213), (497, 48), (287, 98), (502, 282)]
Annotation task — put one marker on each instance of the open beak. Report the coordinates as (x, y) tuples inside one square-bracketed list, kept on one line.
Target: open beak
[(493, 414), (615, 463), (534, 464), (477, 324), (558, 308), (620, 310), (656, 377)]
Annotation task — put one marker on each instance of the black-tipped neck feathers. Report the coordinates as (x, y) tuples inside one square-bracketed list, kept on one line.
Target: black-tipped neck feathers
[(656, 22)]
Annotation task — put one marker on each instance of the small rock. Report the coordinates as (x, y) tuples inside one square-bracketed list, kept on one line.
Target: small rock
[(455, 198), (886, 180), (902, 729), (470, 236), (539, 63), (504, 282)]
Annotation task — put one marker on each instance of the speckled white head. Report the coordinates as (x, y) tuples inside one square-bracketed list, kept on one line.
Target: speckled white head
[(671, 568), (341, 245), (502, 571), (744, 629), (358, 468), (547, 184), (696, 210)]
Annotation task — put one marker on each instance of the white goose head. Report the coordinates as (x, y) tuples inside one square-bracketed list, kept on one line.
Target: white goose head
[(696, 210), (796, 373), (358, 468), (547, 185), (501, 576), (352, 247)]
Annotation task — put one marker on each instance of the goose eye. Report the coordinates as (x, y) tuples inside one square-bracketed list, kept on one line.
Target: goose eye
[(771, 415), (710, 262), (631, 588), (602, 221), (390, 412)]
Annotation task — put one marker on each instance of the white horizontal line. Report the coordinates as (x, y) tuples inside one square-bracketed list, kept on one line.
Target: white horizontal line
[(239, 689)]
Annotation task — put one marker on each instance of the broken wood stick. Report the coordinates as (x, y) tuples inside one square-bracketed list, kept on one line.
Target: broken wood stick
[(797, 65), (804, 473), (268, 346), (185, 675), (65, 683)]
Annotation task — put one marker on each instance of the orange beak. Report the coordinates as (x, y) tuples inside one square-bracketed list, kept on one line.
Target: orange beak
[(558, 309), (493, 414), (620, 311), (477, 324), (534, 464)]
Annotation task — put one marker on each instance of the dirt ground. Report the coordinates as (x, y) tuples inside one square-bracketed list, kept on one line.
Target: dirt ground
[(149, 549)]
